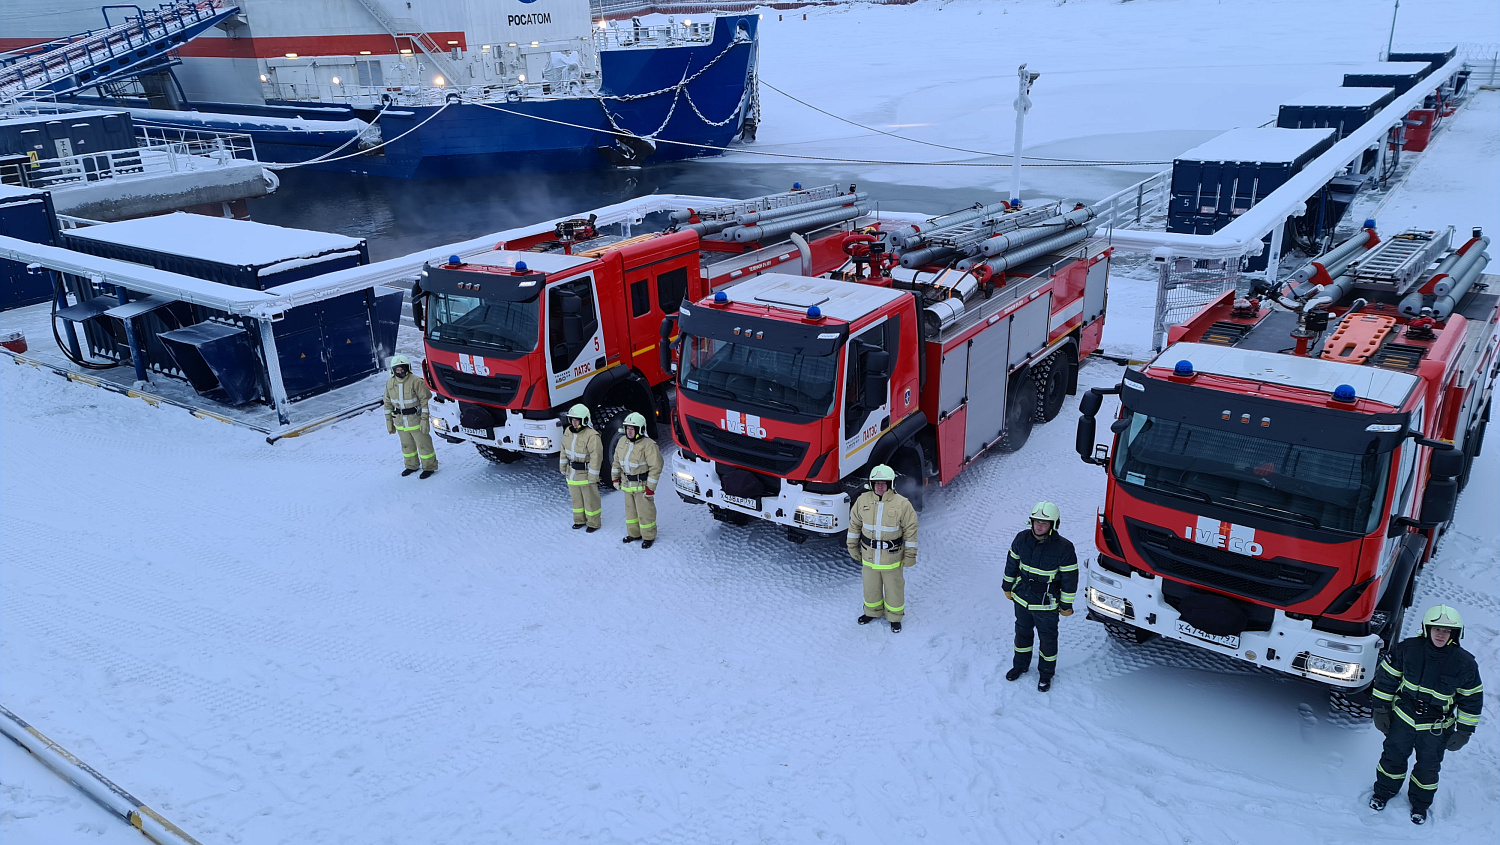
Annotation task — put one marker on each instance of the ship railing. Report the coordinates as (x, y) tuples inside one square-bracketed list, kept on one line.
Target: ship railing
[(376, 97), (160, 151), (1129, 208), (620, 35)]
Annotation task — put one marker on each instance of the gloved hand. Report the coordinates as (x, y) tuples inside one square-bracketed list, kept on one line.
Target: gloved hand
[(1458, 739), (650, 494), (1067, 611), (1382, 719), (390, 424), (1008, 595), (426, 424)]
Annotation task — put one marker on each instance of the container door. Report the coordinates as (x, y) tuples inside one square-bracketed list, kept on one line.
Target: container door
[(988, 374)]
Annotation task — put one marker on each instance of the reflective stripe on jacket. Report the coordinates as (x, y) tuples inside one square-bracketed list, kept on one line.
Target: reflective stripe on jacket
[(406, 394), (581, 446), (1430, 688), (636, 457), (882, 530), (1041, 573)]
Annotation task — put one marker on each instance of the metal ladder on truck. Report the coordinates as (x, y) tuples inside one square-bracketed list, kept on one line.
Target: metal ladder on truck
[(1397, 262), (69, 65)]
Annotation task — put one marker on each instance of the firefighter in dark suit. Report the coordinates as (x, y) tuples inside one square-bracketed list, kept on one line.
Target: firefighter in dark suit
[(1041, 578)]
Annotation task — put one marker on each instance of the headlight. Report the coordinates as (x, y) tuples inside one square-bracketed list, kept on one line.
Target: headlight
[(686, 481), (439, 423), (1330, 668), (1110, 604), (530, 441), (811, 516)]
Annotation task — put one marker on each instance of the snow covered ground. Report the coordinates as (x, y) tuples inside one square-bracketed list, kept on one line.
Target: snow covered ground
[(292, 644)]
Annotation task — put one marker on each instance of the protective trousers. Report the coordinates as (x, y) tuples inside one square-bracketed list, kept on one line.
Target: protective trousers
[(885, 592), (416, 445), (1391, 769), (640, 513), (586, 507), (1044, 622)]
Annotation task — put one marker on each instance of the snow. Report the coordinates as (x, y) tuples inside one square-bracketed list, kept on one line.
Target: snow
[(219, 239), (293, 644), (1386, 386), (1259, 144), (1395, 69), (1358, 97), (10, 119), (39, 806)]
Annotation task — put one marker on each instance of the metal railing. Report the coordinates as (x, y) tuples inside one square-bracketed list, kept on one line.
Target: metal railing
[(1135, 205), (160, 151), (615, 35), (622, 8)]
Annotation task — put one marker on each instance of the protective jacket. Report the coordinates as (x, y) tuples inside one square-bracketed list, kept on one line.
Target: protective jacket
[(406, 400), (882, 531), (1041, 573), (582, 455), (637, 465), (1430, 688)]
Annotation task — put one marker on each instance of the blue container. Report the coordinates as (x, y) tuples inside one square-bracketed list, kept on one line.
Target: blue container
[(26, 215)]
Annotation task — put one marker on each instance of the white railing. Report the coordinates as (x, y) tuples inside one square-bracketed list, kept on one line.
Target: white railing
[(616, 35), (161, 151), (375, 97), (1136, 204)]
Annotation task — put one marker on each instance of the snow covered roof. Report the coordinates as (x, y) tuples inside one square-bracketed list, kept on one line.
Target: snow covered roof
[(1388, 69), (241, 243), (1386, 386), (845, 301), (542, 262), (22, 119), (1258, 144), (1339, 96), (14, 191)]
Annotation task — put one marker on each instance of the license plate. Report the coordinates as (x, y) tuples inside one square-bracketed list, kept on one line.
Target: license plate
[(752, 504), (487, 434), (1230, 641)]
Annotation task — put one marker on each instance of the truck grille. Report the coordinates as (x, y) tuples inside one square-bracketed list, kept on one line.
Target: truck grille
[(492, 390), (774, 456), (1278, 581)]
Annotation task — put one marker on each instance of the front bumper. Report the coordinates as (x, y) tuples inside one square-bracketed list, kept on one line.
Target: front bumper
[(536, 437), (827, 514), (1291, 646)]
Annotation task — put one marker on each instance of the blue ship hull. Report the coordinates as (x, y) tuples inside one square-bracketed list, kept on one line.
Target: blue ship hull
[(471, 139)]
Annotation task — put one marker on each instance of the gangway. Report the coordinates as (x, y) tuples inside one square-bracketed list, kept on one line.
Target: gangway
[(69, 65)]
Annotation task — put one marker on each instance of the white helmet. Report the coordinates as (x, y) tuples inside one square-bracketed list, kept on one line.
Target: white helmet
[(400, 361)]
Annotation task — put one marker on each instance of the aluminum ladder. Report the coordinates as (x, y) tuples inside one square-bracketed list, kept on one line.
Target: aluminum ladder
[(1397, 263)]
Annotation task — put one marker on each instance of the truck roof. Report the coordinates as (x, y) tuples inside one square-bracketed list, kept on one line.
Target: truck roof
[(541, 262), (846, 301), (1386, 386)]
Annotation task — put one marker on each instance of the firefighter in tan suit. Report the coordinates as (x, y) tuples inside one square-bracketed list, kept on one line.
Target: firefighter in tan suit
[(406, 398), (636, 471), (883, 538), (580, 460)]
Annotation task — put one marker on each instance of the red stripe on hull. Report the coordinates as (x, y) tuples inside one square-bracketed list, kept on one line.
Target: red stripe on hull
[(302, 45)]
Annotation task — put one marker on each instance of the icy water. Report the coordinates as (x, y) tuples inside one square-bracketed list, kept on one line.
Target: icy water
[(401, 216)]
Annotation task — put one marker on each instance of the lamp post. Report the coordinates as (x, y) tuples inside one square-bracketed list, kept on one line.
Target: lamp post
[(1389, 42), (1023, 105)]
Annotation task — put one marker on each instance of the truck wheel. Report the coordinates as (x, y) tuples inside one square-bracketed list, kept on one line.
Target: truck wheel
[(499, 456), (1020, 414), (1355, 703), (611, 434), (1128, 634), (1051, 386)]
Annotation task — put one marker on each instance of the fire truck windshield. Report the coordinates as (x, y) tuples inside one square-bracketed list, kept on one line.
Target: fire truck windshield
[(784, 384), (1315, 488), (504, 326)]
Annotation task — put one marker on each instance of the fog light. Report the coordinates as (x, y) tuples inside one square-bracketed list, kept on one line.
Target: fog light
[(1330, 668), (439, 423), (686, 481), (811, 516), (1110, 604), (530, 441)]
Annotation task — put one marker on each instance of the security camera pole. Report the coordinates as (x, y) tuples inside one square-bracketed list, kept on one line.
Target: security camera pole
[(1022, 105)]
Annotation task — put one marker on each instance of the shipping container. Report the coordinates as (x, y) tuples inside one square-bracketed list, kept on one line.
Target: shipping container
[(1342, 109), (1402, 76), (25, 214), (47, 136), (1230, 173)]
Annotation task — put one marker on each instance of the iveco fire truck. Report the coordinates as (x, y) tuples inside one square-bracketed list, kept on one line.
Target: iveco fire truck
[(1282, 471), (945, 339), (573, 315)]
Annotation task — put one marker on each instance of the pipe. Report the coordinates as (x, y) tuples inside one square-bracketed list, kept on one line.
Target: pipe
[(1470, 252), (923, 256), (1412, 304), (1001, 263), (910, 237), (804, 222), (1334, 261), (755, 218), (712, 227), (1444, 306), (1010, 240)]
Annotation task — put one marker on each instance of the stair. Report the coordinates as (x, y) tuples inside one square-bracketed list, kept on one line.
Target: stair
[(69, 65), (409, 29)]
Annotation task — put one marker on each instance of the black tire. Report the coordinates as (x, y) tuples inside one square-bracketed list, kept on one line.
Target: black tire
[(1020, 414), (1355, 703), (910, 474), (1128, 634), (499, 456), (610, 434), (1051, 386)]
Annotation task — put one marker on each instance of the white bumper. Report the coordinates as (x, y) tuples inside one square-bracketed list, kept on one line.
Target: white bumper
[(816, 513), (1291, 646), (537, 437)]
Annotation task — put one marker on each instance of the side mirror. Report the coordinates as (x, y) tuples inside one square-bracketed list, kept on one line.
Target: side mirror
[(1091, 402), (664, 343), (1084, 443), (1438, 502), (1446, 463), (877, 376)]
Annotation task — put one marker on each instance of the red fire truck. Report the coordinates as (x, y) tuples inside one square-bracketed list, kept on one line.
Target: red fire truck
[(1281, 472), (572, 315), (791, 388)]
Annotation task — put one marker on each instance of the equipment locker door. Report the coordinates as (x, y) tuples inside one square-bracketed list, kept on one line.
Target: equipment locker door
[(988, 374), (1028, 329)]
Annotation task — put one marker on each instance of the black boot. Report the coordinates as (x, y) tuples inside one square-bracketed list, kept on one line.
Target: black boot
[(1043, 684), (427, 473), (577, 525), (895, 627), (1377, 803), (646, 544), (865, 620), (630, 539), (406, 472), (1014, 673), (1419, 816)]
